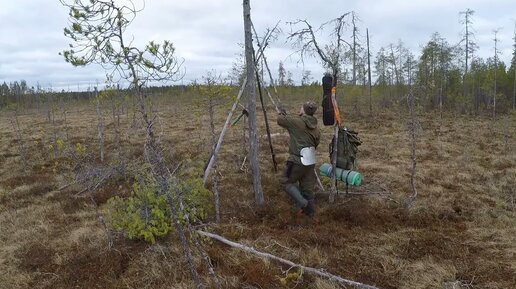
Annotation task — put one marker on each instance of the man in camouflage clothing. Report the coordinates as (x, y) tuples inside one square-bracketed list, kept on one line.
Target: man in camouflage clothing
[(304, 139)]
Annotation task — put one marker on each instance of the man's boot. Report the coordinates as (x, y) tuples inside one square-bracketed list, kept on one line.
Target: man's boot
[(309, 210), (294, 192)]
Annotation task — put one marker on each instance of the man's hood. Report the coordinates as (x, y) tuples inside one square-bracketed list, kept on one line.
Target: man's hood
[(310, 121)]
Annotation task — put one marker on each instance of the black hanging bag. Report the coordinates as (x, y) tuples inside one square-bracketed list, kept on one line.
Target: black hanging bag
[(327, 105)]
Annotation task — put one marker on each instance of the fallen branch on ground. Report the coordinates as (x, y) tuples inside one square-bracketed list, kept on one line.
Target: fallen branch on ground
[(319, 272), (97, 185), (65, 186)]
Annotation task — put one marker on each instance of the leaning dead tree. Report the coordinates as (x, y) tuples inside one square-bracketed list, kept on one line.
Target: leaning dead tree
[(97, 29), (270, 34), (260, 54), (330, 54)]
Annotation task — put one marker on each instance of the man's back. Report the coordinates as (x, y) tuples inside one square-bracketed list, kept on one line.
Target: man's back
[(303, 131)]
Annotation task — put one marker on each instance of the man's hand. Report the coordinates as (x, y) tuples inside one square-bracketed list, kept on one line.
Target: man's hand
[(301, 111)]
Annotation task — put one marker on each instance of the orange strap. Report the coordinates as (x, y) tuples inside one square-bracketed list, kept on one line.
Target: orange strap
[(335, 106)]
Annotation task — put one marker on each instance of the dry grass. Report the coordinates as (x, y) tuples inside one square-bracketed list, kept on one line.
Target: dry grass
[(460, 234)]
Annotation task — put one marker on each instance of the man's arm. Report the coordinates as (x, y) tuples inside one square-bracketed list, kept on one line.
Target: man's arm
[(283, 120), (317, 139)]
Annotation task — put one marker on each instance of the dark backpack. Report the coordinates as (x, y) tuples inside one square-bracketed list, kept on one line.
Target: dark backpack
[(347, 148)]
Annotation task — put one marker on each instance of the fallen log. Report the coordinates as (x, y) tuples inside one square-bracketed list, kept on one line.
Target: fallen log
[(318, 272)]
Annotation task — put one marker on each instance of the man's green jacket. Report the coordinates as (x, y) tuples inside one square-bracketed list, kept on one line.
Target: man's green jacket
[(303, 133)]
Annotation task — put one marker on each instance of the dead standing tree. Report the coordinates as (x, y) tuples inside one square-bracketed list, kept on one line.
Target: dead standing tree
[(330, 54), (496, 51), (369, 76), (260, 55), (251, 105), (98, 31), (514, 65), (100, 123), (19, 138), (413, 129), (215, 93)]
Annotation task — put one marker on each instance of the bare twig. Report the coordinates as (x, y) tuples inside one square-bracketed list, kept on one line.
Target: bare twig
[(319, 183)]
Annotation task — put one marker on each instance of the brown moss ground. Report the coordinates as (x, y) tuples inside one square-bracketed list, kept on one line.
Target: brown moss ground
[(462, 229)]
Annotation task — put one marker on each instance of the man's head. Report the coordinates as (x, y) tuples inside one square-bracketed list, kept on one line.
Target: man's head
[(310, 107)]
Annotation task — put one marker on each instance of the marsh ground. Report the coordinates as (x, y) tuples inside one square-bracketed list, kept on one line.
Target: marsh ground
[(461, 233)]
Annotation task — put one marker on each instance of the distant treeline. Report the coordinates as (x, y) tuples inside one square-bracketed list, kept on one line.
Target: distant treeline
[(438, 77)]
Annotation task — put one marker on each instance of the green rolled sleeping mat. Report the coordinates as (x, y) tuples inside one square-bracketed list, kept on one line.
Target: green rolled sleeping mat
[(352, 178)]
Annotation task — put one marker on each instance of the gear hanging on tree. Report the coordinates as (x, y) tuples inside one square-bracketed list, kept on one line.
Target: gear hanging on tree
[(327, 104)]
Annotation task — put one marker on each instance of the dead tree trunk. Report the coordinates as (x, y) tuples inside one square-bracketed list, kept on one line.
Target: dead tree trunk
[(211, 111), (369, 75), (100, 125), (441, 86), (336, 126), (305, 38), (213, 157), (251, 106), (514, 67), (318, 272), (353, 21), (115, 110), (412, 127), (157, 163), (54, 130), (21, 148), (495, 70)]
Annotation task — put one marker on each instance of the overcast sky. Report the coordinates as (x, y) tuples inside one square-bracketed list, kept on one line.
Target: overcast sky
[(208, 34)]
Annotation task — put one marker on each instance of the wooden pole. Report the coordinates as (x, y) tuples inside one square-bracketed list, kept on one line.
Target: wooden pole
[(267, 128), (261, 47), (271, 99), (215, 152), (336, 126)]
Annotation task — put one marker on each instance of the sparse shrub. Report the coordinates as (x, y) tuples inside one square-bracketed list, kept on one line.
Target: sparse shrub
[(60, 144), (146, 215), (196, 198), (80, 149)]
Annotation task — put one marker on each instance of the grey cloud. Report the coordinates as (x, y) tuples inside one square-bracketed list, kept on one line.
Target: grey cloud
[(207, 33)]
